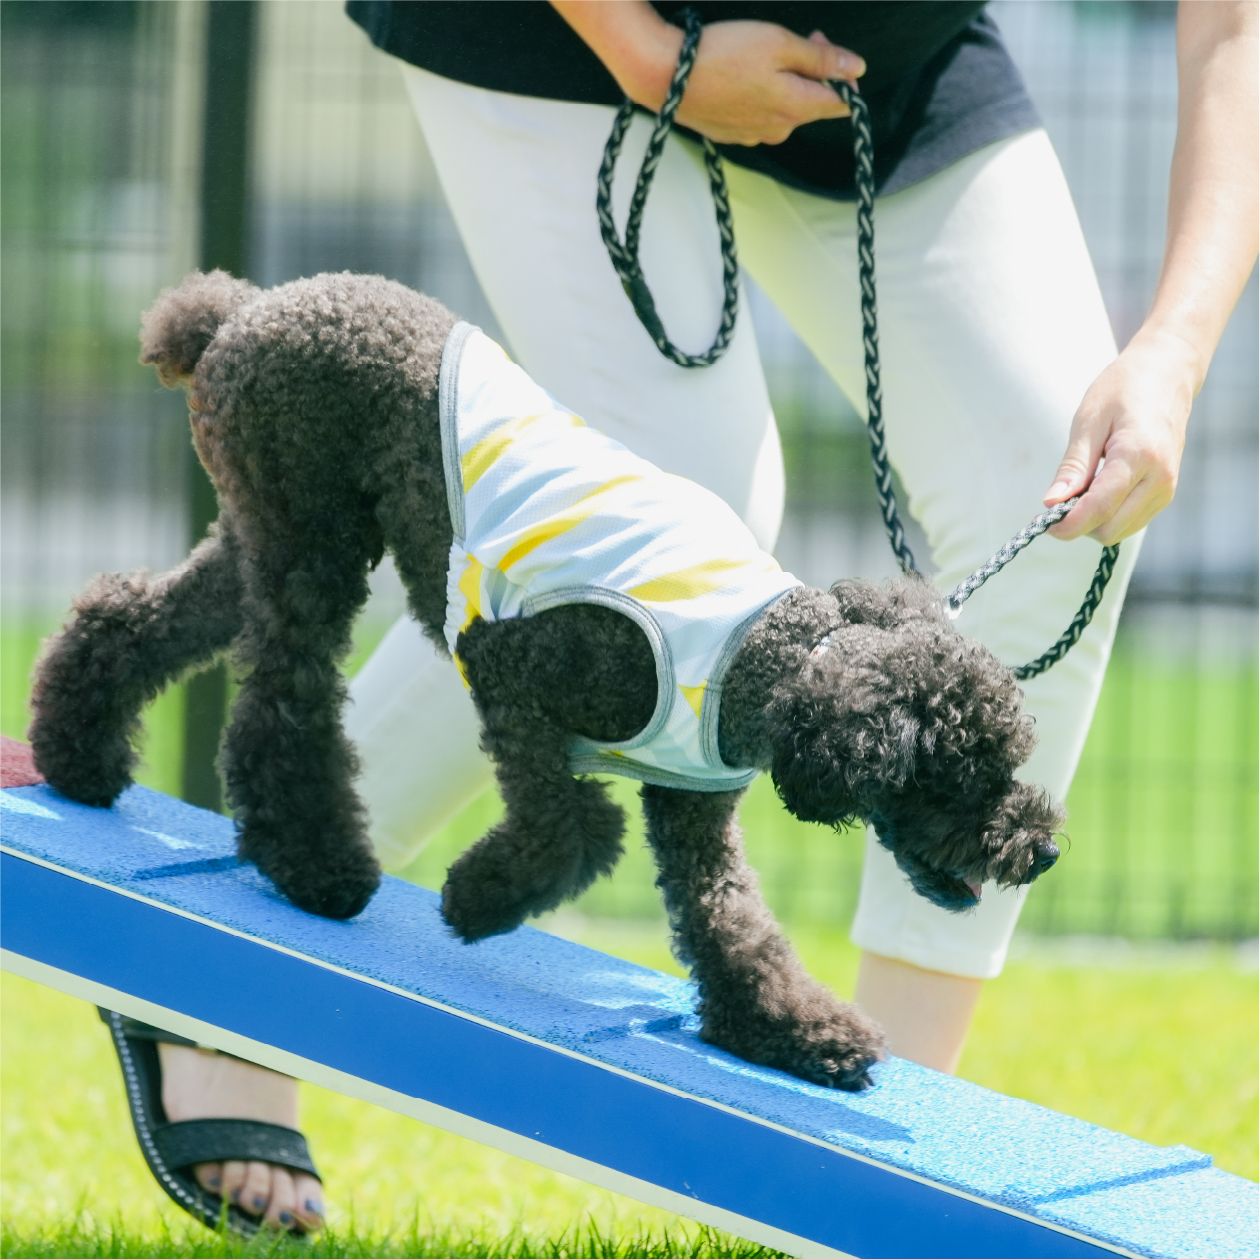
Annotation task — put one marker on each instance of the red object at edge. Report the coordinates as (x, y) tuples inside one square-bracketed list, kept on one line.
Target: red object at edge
[(17, 764)]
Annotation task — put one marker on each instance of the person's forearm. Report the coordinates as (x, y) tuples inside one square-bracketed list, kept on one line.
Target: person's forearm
[(1133, 417), (1212, 209), (753, 82), (636, 44)]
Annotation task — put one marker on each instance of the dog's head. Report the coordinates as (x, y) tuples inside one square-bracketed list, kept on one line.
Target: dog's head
[(901, 722)]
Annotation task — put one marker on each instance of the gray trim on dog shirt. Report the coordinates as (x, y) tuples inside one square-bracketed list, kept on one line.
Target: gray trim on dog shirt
[(448, 417)]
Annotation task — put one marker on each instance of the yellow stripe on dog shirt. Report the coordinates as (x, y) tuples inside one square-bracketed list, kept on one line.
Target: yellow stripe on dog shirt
[(562, 522), (470, 588), (694, 695), (483, 456), (700, 579)]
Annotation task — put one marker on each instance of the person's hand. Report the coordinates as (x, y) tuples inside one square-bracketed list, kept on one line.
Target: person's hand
[(752, 82), (1133, 418), (755, 83)]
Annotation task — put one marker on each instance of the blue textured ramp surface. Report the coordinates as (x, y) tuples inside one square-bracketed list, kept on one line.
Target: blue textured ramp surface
[(920, 1164)]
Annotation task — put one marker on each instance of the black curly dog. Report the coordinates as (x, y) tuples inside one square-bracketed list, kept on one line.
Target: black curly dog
[(314, 408)]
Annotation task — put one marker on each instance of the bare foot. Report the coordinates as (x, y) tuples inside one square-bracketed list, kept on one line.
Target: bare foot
[(200, 1084)]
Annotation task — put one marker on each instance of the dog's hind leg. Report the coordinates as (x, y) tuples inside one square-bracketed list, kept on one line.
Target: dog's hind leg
[(288, 766), (756, 999), (559, 834), (131, 636)]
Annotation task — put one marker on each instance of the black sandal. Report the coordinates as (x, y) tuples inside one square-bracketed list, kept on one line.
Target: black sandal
[(172, 1149)]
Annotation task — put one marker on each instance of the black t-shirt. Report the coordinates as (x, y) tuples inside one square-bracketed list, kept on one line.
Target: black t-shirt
[(939, 81)]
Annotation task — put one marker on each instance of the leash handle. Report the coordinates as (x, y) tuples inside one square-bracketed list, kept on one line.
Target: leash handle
[(1070, 636), (624, 254), (1001, 558)]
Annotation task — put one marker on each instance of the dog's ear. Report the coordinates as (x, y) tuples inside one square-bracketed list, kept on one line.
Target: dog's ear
[(841, 736)]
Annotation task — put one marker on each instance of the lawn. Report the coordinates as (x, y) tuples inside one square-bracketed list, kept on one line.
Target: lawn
[(1153, 1040)]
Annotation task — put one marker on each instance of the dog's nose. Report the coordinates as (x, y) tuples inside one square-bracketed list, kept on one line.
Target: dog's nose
[(1047, 857)]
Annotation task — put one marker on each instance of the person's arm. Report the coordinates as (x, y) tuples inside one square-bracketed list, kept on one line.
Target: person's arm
[(1134, 415), (752, 83)]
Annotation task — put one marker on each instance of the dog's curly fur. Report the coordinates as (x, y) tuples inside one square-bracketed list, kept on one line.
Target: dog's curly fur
[(314, 409)]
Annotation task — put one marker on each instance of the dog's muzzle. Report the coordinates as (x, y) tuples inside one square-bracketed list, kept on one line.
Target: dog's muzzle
[(1047, 855)]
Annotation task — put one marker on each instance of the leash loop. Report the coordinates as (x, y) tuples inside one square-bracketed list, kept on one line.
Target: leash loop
[(625, 254), (625, 259), (1001, 558)]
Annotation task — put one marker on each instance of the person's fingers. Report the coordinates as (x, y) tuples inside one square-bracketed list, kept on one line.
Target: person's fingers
[(818, 58), (1076, 471), (1125, 496), (1147, 497), (1100, 502), (806, 101), (1079, 461)]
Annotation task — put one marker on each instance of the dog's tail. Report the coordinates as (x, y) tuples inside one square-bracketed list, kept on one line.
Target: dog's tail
[(176, 329)]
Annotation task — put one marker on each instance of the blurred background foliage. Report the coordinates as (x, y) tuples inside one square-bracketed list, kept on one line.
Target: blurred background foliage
[(101, 116)]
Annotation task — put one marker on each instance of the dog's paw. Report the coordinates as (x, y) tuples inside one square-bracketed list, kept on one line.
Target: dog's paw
[(834, 1047), (333, 887), (92, 775), (328, 900), (474, 909)]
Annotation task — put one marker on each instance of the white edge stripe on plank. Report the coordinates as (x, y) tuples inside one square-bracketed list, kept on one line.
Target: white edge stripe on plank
[(544, 1044)]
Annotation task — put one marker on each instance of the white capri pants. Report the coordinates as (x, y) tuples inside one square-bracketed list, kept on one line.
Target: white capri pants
[(991, 329)]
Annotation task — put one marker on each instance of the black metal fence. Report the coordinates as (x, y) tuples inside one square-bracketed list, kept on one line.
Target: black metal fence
[(103, 126)]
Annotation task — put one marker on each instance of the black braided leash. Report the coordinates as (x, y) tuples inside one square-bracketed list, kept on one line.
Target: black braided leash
[(625, 255), (625, 258), (864, 161), (864, 156)]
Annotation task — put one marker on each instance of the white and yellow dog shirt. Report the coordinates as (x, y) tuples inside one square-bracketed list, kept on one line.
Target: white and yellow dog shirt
[(547, 511)]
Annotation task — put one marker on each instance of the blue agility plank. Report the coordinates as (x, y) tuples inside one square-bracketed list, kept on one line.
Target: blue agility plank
[(575, 1060)]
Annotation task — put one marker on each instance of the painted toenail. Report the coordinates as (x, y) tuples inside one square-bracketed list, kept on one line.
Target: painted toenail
[(315, 1208), (236, 1195), (286, 1217), (259, 1202), (214, 1182)]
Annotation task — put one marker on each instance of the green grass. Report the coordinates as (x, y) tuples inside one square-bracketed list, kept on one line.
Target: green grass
[(582, 1242)]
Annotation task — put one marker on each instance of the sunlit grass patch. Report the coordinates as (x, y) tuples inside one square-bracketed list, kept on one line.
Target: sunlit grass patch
[(580, 1242)]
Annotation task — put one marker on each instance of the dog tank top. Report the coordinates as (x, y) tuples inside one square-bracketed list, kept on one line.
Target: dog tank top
[(547, 511)]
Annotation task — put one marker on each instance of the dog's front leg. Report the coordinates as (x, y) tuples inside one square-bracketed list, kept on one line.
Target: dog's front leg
[(558, 836), (756, 999)]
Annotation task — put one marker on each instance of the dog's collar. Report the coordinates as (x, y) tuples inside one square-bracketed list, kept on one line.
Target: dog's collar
[(822, 645)]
